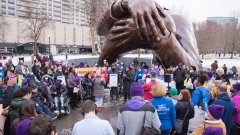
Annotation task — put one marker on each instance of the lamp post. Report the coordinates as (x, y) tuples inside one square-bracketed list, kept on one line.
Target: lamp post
[(16, 48), (49, 43), (75, 48)]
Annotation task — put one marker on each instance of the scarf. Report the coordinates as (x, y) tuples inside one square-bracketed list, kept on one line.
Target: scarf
[(77, 78)]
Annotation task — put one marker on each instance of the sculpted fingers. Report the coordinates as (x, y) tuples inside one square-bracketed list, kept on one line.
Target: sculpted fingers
[(123, 42), (160, 22), (117, 30), (152, 25), (135, 19), (119, 36), (160, 10), (144, 27), (120, 22)]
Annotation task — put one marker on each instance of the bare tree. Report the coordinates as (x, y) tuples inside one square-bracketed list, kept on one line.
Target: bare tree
[(93, 10), (206, 34), (33, 24), (232, 34), (5, 27)]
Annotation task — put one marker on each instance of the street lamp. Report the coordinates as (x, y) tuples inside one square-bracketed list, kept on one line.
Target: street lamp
[(49, 43), (75, 48), (16, 48)]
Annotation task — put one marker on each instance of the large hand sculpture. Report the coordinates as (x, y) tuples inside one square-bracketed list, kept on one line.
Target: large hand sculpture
[(134, 24)]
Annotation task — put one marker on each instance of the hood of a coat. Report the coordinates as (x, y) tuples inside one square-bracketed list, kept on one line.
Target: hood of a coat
[(16, 102), (224, 96)]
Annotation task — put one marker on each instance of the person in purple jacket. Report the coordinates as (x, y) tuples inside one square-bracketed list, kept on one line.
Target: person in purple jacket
[(73, 81), (235, 90), (154, 67)]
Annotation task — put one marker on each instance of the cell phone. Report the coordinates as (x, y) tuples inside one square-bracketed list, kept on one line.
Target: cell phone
[(54, 130)]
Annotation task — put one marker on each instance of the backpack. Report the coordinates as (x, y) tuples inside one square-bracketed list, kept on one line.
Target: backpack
[(212, 130)]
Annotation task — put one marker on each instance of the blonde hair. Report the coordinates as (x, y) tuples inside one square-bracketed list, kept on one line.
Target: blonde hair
[(158, 90)]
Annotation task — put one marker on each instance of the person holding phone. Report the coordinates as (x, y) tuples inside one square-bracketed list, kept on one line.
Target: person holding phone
[(99, 83)]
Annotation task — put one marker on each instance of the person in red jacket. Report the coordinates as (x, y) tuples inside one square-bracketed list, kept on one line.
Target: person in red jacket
[(148, 86)]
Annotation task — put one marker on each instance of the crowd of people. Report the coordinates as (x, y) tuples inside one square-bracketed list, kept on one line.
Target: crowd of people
[(28, 96)]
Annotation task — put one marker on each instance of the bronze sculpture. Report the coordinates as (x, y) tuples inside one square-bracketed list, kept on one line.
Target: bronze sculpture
[(134, 24)]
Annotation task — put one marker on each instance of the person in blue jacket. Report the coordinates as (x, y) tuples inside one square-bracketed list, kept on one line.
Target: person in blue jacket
[(1, 71), (201, 94), (139, 73), (165, 108), (224, 100)]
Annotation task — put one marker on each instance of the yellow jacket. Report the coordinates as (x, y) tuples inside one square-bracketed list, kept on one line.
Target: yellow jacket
[(214, 92), (200, 128)]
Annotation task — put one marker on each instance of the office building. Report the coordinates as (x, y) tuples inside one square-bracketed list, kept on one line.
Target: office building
[(69, 32), (222, 20)]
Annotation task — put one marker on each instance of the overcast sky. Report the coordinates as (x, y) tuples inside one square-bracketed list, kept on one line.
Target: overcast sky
[(199, 10)]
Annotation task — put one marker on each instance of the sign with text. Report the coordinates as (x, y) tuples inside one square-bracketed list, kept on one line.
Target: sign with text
[(113, 80), (83, 71)]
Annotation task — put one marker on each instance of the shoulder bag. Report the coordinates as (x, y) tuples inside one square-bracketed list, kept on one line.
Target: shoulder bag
[(149, 130), (179, 123), (200, 102)]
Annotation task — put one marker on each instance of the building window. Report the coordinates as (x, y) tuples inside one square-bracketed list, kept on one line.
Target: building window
[(11, 11), (3, 10), (3, 4), (10, 5)]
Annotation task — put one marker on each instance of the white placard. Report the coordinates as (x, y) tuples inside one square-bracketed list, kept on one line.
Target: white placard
[(75, 90), (62, 78), (113, 80), (15, 61)]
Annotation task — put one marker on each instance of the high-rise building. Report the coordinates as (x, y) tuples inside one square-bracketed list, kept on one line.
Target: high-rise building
[(63, 11), (222, 20), (70, 31)]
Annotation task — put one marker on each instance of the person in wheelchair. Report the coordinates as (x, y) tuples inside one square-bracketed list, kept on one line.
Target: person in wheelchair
[(59, 92)]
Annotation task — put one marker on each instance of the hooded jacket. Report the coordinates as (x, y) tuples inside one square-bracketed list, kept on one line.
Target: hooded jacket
[(236, 113), (228, 104), (139, 75), (61, 91), (14, 108), (131, 115)]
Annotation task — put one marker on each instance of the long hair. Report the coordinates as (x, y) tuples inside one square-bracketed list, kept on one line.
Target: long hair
[(27, 109)]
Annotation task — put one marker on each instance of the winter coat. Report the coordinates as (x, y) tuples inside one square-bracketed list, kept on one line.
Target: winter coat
[(181, 110), (228, 104), (128, 81), (214, 67), (72, 82), (7, 99), (57, 73), (166, 111), (61, 91), (225, 70), (14, 108), (208, 123), (236, 113), (19, 69), (87, 84), (139, 75), (98, 87), (210, 84), (196, 96), (35, 69), (66, 78), (37, 97), (179, 76)]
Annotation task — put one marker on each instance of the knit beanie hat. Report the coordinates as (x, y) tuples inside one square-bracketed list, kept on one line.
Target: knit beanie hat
[(136, 89), (22, 127), (213, 131), (58, 84), (216, 111), (173, 92), (24, 82), (237, 86), (210, 74)]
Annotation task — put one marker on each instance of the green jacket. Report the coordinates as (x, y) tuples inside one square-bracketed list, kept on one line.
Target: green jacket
[(14, 107)]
